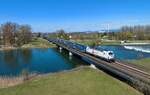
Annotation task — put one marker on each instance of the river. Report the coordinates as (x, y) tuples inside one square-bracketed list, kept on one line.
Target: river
[(14, 62)]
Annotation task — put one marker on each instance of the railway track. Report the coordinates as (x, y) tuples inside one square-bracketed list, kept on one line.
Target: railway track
[(132, 70), (135, 69)]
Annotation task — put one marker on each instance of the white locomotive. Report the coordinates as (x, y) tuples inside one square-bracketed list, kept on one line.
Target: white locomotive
[(106, 55)]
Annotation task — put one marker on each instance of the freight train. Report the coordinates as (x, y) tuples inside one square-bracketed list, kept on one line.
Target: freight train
[(98, 52)]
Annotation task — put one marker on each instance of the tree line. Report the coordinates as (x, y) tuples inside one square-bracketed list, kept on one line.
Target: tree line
[(13, 34), (62, 34), (138, 32)]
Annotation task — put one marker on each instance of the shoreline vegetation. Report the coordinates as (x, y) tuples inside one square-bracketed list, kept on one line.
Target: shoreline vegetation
[(68, 83), (8, 81), (36, 42), (16, 36)]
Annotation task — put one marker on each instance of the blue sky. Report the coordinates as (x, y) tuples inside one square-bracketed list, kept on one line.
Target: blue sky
[(75, 15)]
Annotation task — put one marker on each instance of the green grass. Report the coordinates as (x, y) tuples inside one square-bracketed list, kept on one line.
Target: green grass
[(110, 42), (84, 42), (38, 43), (85, 81), (145, 63), (90, 42), (139, 41)]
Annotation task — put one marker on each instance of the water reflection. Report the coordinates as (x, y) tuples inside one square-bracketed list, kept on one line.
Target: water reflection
[(13, 57), (10, 58), (26, 55)]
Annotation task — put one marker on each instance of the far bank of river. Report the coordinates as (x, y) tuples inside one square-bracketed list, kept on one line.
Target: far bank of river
[(35, 43)]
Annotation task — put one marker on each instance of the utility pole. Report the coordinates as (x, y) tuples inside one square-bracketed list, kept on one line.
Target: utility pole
[(1, 38), (108, 27)]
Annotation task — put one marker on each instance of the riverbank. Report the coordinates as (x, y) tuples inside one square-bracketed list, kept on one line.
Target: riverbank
[(7, 48), (35, 43), (38, 43), (113, 42), (104, 42), (8, 82), (82, 81)]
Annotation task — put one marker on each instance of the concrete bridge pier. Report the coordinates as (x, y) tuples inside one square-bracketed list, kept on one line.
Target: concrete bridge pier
[(93, 66), (70, 55), (60, 49)]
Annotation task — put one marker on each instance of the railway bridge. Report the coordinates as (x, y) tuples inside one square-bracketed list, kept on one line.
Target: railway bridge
[(126, 72)]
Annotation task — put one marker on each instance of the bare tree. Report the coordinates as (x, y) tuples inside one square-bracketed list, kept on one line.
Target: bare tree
[(8, 30), (24, 34)]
